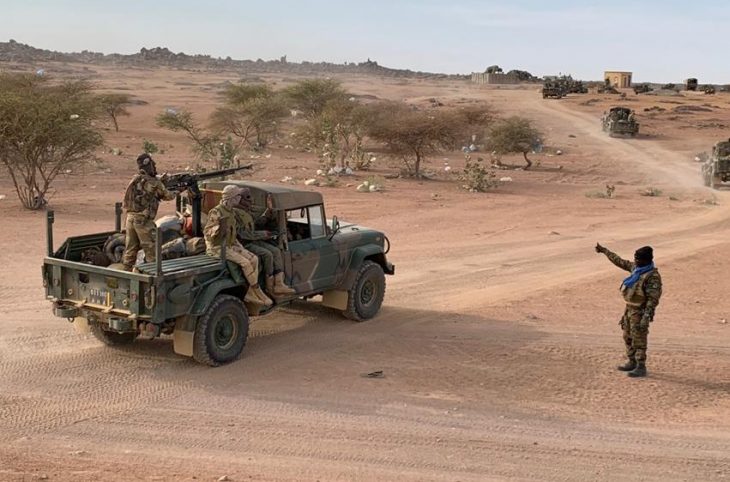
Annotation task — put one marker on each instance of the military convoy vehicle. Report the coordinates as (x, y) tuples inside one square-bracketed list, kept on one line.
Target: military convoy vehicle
[(198, 299), (552, 90), (642, 88), (690, 84), (716, 169), (620, 121)]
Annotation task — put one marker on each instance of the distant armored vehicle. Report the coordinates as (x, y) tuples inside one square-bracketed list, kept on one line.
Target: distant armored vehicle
[(642, 88), (199, 299), (620, 121), (716, 169), (690, 84), (552, 90), (708, 89)]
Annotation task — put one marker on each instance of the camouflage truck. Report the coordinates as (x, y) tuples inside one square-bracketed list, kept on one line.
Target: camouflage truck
[(690, 84), (620, 121), (552, 90), (198, 299), (642, 88), (716, 169)]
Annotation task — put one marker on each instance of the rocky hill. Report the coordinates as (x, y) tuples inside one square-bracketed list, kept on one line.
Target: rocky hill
[(16, 52)]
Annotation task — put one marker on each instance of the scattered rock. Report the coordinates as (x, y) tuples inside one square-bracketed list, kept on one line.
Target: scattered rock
[(73, 116), (320, 172), (43, 477), (286, 179), (373, 188), (2, 196), (723, 321), (505, 179), (310, 182), (558, 152), (349, 171), (571, 135), (223, 478), (554, 233)]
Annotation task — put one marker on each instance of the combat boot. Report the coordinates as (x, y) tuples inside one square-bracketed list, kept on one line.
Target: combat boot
[(639, 371), (262, 298), (270, 290), (281, 288), (628, 366)]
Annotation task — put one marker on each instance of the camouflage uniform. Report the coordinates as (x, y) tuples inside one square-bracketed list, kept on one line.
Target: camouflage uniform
[(222, 216), (256, 241), (221, 227), (641, 302), (141, 200)]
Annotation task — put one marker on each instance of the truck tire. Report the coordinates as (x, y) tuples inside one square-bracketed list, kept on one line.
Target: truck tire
[(367, 293), (221, 331), (111, 338)]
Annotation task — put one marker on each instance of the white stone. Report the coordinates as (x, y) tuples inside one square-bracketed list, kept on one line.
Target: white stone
[(373, 188), (505, 179), (310, 182), (362, 188)]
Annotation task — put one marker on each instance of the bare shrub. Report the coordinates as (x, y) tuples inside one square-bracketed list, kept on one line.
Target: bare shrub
[(513, 135)]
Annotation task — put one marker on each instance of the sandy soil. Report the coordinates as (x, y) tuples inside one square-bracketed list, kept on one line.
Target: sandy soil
[(498, 337)]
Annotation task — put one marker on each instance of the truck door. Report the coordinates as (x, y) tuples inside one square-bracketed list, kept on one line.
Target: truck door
[(313, 256)]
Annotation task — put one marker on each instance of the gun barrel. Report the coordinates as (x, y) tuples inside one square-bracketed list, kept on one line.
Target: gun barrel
[(222, 172)]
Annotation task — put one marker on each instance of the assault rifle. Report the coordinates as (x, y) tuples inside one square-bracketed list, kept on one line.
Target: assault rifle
[(189, 180)]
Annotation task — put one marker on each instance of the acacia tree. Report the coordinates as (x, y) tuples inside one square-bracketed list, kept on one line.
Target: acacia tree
[(114, 105), (207, 145), (413, 134), (45, 129), (514, 135), (251, 113), (311, 96), (337, 132)]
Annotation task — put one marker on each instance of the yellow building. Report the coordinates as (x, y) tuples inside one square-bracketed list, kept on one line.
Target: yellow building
[(620, 80)]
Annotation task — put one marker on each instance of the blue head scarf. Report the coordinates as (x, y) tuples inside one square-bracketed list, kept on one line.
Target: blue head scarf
[(635, 275)]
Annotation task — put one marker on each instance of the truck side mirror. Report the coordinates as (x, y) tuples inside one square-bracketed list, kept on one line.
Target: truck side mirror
[(335, 226)]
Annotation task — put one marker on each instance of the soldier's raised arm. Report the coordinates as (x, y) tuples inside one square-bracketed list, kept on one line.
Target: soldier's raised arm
[(615, 259), (161, 192)]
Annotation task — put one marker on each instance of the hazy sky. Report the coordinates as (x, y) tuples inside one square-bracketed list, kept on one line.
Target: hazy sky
[(658, 40)]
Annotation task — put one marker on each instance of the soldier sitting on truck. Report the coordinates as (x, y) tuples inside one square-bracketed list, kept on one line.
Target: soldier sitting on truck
[(257, 241), (221, 227), (141, 200)]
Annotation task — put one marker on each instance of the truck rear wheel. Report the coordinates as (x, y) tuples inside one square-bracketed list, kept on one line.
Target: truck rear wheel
[(221, 332), (367, 293), (111, 338)]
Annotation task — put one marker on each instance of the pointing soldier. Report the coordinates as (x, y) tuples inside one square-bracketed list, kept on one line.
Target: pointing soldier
[(141, 200), (221, 227), (641, 292)]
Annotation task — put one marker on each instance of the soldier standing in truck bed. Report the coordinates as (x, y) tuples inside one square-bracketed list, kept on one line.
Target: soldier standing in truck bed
[(141, 200), (641, 291)]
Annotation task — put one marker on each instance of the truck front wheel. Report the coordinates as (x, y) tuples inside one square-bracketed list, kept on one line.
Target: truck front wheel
[(367, 293), (111, 338), (221, 332)]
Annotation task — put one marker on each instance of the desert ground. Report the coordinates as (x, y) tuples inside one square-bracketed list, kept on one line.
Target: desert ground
[(498, 337)]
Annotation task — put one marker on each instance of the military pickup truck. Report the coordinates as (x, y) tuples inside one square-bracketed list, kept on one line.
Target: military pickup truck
[(620, 121), (552, 90), (198, 299), (716, 169)]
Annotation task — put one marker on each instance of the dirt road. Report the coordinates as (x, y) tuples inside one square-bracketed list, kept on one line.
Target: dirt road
[(498, 341)]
